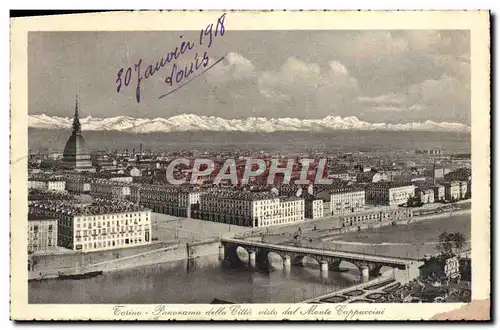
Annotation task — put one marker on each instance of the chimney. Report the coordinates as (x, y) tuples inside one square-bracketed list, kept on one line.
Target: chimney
[(140, 150), (434, 173)]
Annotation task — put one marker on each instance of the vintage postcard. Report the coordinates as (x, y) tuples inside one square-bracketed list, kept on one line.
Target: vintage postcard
[(234, 165)]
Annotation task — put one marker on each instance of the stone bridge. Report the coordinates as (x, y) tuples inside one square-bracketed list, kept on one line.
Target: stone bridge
[(369, 265)]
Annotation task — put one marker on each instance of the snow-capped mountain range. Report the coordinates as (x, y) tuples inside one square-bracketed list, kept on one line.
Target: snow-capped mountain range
[(189, 122)]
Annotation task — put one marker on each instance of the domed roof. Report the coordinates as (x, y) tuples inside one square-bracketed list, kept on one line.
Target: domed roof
[(76, 145)]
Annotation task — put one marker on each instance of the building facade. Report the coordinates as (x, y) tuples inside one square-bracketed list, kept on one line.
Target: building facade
[(452, 190), (313, 208), (425, 194), (346, 200), (77, 184), (464, 189), (439, 193), (47, 184), (104, 188), (97, 226), (174, 201), (250, 209), (42, 233), (389, 193), (376, 216)]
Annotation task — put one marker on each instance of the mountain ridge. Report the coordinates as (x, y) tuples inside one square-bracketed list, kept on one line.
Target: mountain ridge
[(191, 122)]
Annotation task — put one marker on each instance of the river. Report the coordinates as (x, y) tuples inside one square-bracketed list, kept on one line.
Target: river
[(407, 241), (206, 278)]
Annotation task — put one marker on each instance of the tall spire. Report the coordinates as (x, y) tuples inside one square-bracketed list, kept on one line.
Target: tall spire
[(77, 127)]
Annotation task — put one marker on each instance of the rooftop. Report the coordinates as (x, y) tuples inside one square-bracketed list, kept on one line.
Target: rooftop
[(38, 217), (44, 177), (289, 198), (97, 207), (167, 188), (39, 194), (241, 195), (388, 184)]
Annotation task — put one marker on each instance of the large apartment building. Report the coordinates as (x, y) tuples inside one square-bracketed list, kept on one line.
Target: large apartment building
[(107, 189), (389, 193), (177, 201), (101, 225), (250, 209), (343, 200)]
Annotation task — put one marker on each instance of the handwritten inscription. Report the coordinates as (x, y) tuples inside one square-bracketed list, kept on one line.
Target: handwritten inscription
[(178, 75)]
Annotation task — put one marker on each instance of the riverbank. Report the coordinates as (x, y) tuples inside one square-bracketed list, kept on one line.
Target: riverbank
[(171, 253), (203, 279), (70, 263)]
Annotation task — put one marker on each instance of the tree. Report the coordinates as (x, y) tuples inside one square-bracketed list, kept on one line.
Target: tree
[(450, 241), (445, 245), (458, 240)]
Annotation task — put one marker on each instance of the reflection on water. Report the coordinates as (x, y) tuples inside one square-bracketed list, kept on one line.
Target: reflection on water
[(195, 281), (407, 241)]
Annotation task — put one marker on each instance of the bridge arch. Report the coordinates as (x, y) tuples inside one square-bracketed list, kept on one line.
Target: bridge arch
[(275, 258), (313, 262), (350, 264), (243, 253), (385, 269)]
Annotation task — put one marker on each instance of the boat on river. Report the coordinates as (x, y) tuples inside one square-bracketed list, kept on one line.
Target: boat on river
[(80, 276)]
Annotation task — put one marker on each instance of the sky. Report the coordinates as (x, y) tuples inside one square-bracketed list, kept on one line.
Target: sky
[(377, 76)]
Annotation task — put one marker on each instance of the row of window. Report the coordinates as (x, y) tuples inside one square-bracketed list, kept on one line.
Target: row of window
[(106, 244), (35, 227), (110, 230), (281, 221), (112, 223), (114, 216), (347, 195), (107, 237)]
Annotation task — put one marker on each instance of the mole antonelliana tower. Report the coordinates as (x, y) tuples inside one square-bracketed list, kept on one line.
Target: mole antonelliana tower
[(76, 156)]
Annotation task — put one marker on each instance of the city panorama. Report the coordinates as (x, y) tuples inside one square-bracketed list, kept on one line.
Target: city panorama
[(289, 176)]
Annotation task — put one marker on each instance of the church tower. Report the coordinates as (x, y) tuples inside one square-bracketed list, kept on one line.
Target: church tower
[(76, 156)]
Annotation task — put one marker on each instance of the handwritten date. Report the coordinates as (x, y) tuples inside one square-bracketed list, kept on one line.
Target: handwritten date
[(177, 77)]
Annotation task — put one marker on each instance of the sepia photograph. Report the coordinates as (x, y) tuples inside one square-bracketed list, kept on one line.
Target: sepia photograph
[(222, 166)]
